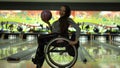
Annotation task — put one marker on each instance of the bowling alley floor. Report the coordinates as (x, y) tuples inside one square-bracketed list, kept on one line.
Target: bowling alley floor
[(99, 53), (29, 64)]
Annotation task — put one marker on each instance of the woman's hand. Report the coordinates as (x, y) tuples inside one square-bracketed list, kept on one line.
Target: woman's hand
[(73, 42)]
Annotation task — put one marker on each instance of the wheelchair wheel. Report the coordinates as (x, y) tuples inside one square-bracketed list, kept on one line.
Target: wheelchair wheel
[(57, 55)]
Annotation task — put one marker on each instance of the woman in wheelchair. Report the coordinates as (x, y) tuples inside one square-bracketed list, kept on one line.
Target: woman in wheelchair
[(60, 26)]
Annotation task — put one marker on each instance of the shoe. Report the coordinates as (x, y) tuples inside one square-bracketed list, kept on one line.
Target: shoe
[(85, 61), (33, 60), (38, 66)]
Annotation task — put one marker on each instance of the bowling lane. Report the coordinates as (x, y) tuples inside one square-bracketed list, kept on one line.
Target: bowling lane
[(101, 50), (10, 47)]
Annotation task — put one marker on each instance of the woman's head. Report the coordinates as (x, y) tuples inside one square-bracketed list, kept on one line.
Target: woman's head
[(65, 11), (64, 14)]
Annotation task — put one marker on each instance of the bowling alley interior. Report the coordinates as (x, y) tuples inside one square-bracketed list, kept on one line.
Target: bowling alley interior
[(21, 24)]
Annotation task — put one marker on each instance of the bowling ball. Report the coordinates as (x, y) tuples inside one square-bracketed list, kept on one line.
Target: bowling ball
[(46, 15)]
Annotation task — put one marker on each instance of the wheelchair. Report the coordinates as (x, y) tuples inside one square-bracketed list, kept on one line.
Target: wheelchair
[(57, 55)]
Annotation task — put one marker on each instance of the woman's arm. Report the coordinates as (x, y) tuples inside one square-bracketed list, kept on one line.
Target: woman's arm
[(77, 34), (73, 24)]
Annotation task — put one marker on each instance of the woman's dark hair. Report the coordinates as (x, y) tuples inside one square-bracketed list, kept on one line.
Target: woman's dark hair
[(63, 20)]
